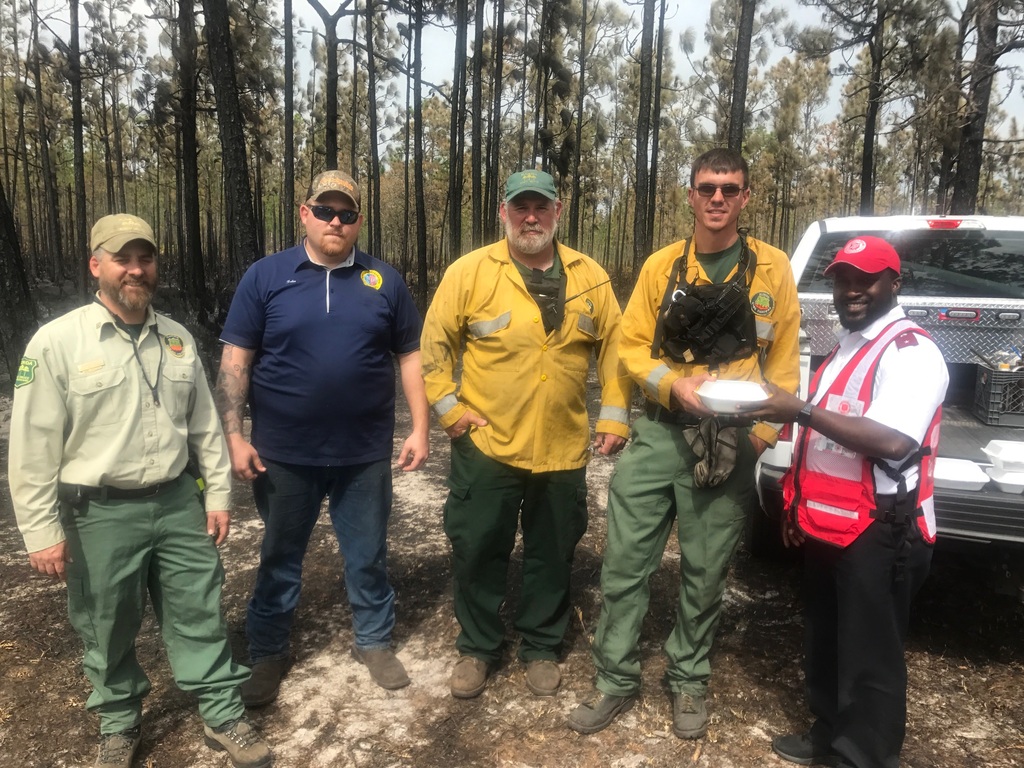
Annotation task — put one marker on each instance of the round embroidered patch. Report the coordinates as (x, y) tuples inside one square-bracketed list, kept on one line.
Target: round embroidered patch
[(590, 305), (855, 246), (371, 279), (762, 303), (175, 345)]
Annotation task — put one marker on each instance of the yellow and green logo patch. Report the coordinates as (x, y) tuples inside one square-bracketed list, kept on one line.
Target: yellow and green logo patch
[(762, 303), (372, 279), (26, 372), (175, 345)]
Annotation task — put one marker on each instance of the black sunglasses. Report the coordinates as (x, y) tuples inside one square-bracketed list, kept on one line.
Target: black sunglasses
[(326, 214), (728, 190)]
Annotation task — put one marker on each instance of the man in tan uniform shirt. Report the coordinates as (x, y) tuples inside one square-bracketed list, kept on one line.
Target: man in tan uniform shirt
[(109, 402)]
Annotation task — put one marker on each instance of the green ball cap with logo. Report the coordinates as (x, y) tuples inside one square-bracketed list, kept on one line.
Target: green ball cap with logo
[(530, 181)]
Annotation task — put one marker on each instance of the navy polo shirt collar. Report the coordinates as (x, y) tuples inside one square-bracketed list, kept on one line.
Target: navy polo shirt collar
[(302, 260)]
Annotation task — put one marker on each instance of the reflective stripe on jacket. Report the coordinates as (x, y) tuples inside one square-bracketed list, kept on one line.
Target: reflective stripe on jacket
[(528, 384), (773, 299)]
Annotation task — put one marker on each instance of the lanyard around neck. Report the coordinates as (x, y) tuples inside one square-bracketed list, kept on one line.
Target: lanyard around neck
[(153, 386)]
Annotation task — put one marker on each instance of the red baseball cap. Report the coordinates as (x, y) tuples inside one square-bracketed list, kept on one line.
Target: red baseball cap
[(868, 254)]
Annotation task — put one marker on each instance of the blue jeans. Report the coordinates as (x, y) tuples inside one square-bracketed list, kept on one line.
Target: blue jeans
[(288, 498)]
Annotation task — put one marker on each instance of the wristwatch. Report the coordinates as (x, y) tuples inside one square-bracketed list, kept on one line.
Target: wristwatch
[(804, 417)]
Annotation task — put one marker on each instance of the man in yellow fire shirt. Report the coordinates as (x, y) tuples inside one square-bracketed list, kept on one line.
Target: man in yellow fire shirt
[(718, 304), (531, 313)]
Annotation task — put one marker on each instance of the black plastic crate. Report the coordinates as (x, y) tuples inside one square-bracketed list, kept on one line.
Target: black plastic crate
[(999, 397)]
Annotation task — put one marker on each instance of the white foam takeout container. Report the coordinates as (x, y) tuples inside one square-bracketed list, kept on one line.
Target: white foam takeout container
[(1008, 482), (725, 396), (959, 475), (1007, 455)]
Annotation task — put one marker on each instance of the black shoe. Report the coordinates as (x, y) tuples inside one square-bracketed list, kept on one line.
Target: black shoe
[(800, 749), (262, 687), (597, 714)]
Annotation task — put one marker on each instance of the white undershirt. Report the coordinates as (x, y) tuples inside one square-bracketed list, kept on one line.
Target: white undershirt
[(910, 383)]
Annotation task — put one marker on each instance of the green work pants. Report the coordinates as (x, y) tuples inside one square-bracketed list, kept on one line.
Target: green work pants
[(652, 486), (486, 501), (120, 552)]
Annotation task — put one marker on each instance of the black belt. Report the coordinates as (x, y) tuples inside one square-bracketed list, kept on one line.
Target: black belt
[(656, 412), (77, 494)]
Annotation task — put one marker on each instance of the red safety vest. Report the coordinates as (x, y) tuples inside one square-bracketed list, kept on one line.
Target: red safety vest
[(836, 499)]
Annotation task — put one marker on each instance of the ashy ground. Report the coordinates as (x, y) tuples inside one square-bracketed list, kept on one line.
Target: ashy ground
[(965, 664)]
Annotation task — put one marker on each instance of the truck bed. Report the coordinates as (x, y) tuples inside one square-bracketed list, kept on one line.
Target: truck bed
[(986, 515)]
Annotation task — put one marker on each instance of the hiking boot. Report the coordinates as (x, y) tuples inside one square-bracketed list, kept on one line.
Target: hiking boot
[(243, 743), (597, 714), (543, 677), (262, 686), (799, 748), (385, 668), (689, 716), (468, 677), (118, 749)]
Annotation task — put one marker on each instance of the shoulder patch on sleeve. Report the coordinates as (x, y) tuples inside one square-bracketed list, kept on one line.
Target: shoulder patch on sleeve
[(26, 372), (906, 339)]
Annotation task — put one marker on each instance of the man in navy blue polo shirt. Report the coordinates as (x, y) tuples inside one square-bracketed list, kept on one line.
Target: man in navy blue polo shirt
[(310, 342)]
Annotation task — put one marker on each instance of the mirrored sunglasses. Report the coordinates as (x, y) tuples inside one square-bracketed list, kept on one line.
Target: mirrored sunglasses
[(326, 214)]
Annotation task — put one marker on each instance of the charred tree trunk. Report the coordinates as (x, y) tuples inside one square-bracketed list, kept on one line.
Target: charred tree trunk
[(421, 205), (191, 253), (494, 127), (867, 170), (577, 187), (740, 74), (80, 243), (288, 201), (373, 183), (641, 246), (972, 133), (457, 132), (241, 225), (17, 311)]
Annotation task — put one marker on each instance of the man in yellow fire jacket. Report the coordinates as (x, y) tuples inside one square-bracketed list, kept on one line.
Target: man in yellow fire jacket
[(721, 305), (531, 313)]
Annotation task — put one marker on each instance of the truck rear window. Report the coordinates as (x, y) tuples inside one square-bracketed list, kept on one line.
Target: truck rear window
[(938, 262)]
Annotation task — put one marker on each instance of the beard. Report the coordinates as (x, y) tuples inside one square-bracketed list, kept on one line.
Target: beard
[(331, 245), (531, 241), (132, 295)]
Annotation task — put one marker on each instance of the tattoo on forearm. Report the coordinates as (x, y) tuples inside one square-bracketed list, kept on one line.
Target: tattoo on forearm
[(230, 394)]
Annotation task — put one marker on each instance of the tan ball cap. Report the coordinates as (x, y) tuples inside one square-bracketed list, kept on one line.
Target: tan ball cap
[(112, 233)]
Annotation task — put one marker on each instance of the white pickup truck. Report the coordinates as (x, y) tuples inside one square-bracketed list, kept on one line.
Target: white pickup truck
[(963, 282)]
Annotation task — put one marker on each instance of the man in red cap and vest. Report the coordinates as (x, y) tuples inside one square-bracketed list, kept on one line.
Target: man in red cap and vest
[(859, 500)]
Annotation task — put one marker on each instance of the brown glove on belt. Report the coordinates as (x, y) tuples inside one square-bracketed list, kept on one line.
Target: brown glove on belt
[(715, 446)]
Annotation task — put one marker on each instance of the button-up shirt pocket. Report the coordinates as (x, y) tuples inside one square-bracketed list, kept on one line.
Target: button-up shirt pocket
[(100, 398), (177, 388)]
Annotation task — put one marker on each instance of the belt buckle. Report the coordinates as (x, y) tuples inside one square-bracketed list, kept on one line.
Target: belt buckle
[(153, 490)]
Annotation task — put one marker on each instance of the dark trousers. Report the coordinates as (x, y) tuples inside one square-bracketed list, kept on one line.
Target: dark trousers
[(486, 502), (288, 498), (856, 617)]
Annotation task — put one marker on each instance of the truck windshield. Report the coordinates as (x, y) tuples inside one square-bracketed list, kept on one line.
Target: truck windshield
[(938, 262)]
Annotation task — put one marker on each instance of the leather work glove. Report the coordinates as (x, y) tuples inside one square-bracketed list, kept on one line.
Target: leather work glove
[(715, 446)]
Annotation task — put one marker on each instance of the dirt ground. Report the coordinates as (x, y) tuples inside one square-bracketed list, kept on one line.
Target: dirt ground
[(965, 658)]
